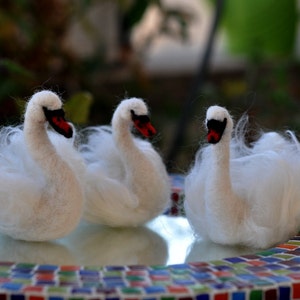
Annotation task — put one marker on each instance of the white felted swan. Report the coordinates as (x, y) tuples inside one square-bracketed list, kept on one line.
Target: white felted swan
[(236, 194), (126, 182), (41, 197)]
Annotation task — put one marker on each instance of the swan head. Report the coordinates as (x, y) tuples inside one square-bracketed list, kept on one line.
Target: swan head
[(218, 120), (46, 106), (136, 111)]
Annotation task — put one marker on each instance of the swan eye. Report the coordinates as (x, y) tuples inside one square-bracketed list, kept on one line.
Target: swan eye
[(56, 119), (215, 130)]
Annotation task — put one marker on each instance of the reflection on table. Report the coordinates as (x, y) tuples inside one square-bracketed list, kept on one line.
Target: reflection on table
[(165, 240)]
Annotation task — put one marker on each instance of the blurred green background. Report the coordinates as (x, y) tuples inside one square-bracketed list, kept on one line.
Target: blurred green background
[(101, 63)]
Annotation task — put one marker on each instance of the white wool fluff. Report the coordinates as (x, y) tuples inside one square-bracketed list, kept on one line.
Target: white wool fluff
[(126, 183), (41, 197), (235, 194)]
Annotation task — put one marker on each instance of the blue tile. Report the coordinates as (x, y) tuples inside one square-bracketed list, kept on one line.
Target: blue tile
[(296, 259), (17, 297), (154, 289), (202, 297), (284, 292), (221, 286), (278, 250), (184, 281), (270, 259), (262, 282), (273, 267), (89, 273), (223, 268), (246, 276), (111, 278), (81, 290), (115, 283), (239, 295), (235, 259), (180, 266), (47, 268), (159, 272), (55, 298), (22, 270), (279, 278), (201, 275), (294, 269), (21, 275), (13, 286)]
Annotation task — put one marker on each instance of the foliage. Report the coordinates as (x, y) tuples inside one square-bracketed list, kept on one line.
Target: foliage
[(260, 28), (33, 55)]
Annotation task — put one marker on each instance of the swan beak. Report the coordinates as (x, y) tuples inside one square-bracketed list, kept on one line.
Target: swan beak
[(215, 130), (145, 128), (56, 119)]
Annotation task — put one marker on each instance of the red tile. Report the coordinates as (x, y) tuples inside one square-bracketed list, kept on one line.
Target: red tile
[(223, 296), (177, 289), (296, 290)]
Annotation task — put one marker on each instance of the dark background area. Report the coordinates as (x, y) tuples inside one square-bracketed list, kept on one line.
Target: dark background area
[(34, 56)]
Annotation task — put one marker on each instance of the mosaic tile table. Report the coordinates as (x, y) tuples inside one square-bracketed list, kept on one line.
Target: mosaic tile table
[(269, 274)]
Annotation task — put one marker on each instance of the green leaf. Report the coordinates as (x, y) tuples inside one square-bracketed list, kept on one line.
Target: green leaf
[(78, 107), (15, 68)]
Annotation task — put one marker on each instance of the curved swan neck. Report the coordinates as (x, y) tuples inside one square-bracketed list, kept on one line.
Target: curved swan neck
[(39, 145), (223, 200), (121, 125), (220, 168), (221, 164)]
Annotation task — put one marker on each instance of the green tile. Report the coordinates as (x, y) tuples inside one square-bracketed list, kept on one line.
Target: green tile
[(199, 288), (256, 295), (135, 278), (25, 265), (131, 290), (112, 273), (93, 268), (284, 256), (57, 290), (220, 263), (167, 298), (266, 253), (160, 267), (296, 243)]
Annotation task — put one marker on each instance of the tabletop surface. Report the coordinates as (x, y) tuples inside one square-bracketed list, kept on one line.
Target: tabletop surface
[(164, 240)]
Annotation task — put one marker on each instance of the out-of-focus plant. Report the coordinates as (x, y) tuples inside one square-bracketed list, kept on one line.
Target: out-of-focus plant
[(260, 28), (33, 55), (78, 107), (30, 52)]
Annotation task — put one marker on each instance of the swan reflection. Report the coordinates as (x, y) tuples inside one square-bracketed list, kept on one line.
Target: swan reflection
[(101, 245), (205, 250), (34, 252), (91, 245)]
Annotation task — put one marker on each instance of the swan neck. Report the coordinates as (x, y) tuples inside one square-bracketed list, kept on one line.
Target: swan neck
[(122, 134), (42, 150), (221, 167)]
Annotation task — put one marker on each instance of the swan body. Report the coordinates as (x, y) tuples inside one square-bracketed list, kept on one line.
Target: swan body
[(126, 182), (41, 197), (249, 197)]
